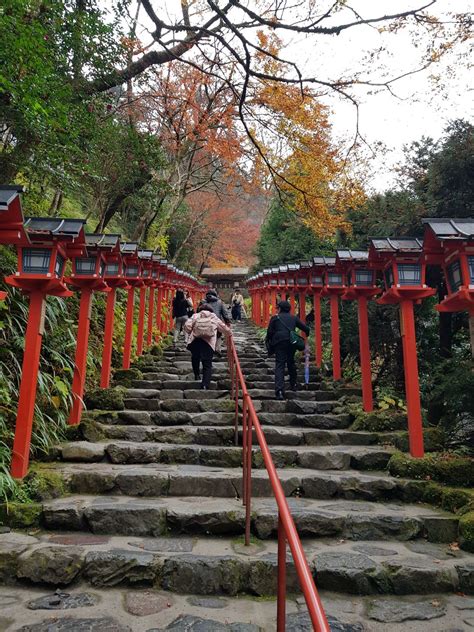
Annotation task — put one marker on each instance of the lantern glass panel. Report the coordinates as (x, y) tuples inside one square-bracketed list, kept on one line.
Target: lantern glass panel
[(317, 280), (35, 260), (409, 273), (112, 269), (162, 276), (349, 278), (273, 282), (388, 277), (131, 271), (154, 274), (59, 267), (454, 276), (291, 281), (334, 278), (302, 281), (146, 273), (102, 268), (85, 266), (364, 277), (281, 281), (470, 262)]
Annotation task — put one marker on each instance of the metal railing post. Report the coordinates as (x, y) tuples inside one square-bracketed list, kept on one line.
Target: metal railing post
[(248, 477), (244, 450)]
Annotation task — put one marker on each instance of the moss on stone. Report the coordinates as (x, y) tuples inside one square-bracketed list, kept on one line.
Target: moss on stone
[(125, 377), (44, 483), (105, 399), (91, 431), (434, 440), (445, 467), (20, 515), (466, 531), (378, 420)]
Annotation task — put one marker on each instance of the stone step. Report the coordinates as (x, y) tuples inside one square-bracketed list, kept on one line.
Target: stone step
[(198, 480), (180, 404), (156, 382), (221, 566), (337, 457), (217, 435), (350, 520), (174, 393)]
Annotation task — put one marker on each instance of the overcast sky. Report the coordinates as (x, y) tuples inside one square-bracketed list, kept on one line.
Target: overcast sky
[(418, 109)]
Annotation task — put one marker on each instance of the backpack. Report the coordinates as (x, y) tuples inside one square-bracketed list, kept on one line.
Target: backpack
[(296, 341), (204, 326)]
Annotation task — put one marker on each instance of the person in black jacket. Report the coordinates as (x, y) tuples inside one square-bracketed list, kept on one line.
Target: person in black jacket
[(278, 342), (180, 313)]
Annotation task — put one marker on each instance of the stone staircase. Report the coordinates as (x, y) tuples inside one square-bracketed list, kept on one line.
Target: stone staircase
[(150, 534)]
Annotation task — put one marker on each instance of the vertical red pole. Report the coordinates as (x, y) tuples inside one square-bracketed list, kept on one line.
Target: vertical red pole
[(258, 306), (412, 386), (302, 301), (29, 380), (281, 588), (151, 309), (141, 321), (292, 302), (318, 338), (80, 365), (274, 301), (127, 345), (336, 349), (108, 339), (159, 303), (364, 346)]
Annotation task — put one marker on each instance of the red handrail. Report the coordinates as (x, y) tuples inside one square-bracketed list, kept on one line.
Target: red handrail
[(286, 526)]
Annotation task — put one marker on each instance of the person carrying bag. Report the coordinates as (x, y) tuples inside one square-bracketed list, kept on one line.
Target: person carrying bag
[(201, 331), (283, 342)]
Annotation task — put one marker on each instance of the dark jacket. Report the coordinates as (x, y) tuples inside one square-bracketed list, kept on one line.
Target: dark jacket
[(218, 307), (279, 328), (180, 307)]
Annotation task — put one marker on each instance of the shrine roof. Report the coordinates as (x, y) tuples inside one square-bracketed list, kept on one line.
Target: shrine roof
[(451, 228), (53, 227)]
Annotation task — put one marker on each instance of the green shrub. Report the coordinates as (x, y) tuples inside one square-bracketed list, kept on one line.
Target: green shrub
[(446, 467), (434, 440), (466, 531)]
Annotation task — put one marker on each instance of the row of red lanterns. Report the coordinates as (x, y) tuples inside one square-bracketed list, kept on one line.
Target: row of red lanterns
[(400, 265), (99, 263)]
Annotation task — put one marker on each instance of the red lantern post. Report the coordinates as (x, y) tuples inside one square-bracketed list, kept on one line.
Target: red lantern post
[(316, 278), (133, 278), (146, 265), (42, 256), (361, 285), (114, 277), (11, 218), (404, 272), (87, 276), (303, 283), (449, 242), (334, 287)]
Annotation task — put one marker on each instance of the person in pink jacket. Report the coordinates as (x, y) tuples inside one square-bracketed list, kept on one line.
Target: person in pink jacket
[(201, 338)]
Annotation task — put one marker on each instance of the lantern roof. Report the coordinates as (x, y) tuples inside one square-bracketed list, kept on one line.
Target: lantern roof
[(8, 192), (145, 254), (458, 228), (102, 241), (293, 266), (164, 262), (40, 227), (352, 256), (275, 270), (129, 248), (324, 261), (283, 268), (306, 264), (397, 245), (267, 271), (157, 257)]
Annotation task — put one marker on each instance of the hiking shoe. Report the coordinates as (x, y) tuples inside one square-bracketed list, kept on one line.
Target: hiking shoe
[(279, 395)]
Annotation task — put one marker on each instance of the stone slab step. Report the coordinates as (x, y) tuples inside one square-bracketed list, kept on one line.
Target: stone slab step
[(154, 479), (224, 566), (351, 520), (217, 435), (175, 403), (175, 393), (337, 457)]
